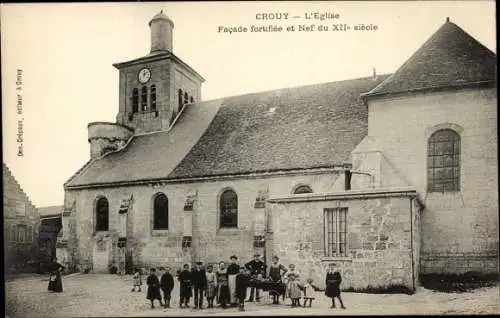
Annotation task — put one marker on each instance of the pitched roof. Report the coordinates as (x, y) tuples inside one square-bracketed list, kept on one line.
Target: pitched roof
[(449, 58), (54, 210), (149, 156), (293, 128)]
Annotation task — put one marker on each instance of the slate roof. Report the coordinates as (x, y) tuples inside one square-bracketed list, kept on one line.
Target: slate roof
[(449, 58), (149, 156), (294, 128), (54, 210)]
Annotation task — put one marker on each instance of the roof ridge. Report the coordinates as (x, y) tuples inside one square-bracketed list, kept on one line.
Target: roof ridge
[(296, 87)]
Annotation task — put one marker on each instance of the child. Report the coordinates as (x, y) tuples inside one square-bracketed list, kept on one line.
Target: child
[(332, 282), (167, 284), (309, 289), (292, 271), (294, 290), (211, 286), (153, 287), (137, 280), (242, 282), (186, 283)]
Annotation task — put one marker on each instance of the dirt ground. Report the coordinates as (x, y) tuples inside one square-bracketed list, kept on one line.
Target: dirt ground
[(109, 295)]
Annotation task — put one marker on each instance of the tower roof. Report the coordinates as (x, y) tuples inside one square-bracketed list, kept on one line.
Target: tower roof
[(449, 58), (161, 16)]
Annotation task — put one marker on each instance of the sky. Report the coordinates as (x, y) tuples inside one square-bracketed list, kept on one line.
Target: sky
[(65, 54)]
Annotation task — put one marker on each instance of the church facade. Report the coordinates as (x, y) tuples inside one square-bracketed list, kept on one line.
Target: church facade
[(390, 177)]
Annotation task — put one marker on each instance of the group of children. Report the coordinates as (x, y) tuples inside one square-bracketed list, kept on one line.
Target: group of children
[(228, 286)]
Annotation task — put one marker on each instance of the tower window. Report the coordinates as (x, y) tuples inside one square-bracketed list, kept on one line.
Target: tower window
[(443, 161), (160, 212), (228, 209), (191, 99), (135, 100), (144, 98), (102, 215), (153, 98), (179, 100), (186, 98)]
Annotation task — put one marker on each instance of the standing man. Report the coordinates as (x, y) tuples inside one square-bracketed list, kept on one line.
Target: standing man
[(199, 284), (232, 270), (256, 267), (186, 283)]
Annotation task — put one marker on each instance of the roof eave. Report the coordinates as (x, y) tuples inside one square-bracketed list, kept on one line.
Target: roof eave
[(489, 83)]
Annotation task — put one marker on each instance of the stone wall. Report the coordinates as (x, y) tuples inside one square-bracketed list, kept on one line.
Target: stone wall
[(379, 236), (209, 242), (459, 229), (18, 210)]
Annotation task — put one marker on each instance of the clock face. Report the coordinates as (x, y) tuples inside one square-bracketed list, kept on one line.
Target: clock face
[(144, 75)]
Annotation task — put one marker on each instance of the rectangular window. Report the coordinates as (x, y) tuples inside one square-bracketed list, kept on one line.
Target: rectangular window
[(335, 232)]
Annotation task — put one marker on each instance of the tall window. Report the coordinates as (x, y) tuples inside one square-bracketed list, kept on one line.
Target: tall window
[(29, 234), (228, 209), (144, 98), (179, 100), (302, 189), (186, 100), (191, 99), (21, 234), (336, 232), (153, 98), (443, 161), (13, 233), (102, 215), (160, 216), (135, 100)]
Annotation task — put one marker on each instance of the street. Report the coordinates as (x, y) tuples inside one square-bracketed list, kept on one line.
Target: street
[(109, 295)]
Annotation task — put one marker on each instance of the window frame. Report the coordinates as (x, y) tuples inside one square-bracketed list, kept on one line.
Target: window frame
[(152, 98), (135, 100), (220, 208), (337, 213), (144, 99), (435, 153), (154, 212), (302, 186), (96, 214)]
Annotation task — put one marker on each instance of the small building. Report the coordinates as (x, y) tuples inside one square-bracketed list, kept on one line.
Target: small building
[(21, 222), (49, 233)]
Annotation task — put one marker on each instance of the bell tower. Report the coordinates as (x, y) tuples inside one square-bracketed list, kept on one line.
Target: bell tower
[(155, 88)]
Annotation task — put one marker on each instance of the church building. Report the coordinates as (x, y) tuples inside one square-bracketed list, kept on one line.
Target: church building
[(390, 177)]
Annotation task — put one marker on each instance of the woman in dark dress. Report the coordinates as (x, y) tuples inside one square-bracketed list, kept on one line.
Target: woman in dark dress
[(222, 286), (332, 282), (276, 287), (153, 288), (55, 280)]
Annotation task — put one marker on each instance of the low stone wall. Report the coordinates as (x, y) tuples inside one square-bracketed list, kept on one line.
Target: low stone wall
[(379, 237)]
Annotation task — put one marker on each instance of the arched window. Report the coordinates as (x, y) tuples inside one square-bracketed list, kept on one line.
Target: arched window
[(102, 215), (179, 100), (443, 161), (302, 189), (186, 100), (144, 98), (191, 99), (152, 98), (160, 213), (135, 100), (228, 209)]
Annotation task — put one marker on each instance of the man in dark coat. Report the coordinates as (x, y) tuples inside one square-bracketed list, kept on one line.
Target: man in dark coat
[(232, 271), (242, 282), (332, 282), (186, 284), (167, 284), (153, 287), (256, 267), (199, 283)]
